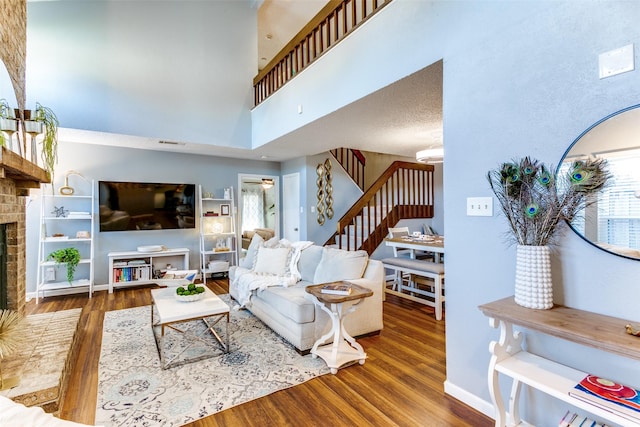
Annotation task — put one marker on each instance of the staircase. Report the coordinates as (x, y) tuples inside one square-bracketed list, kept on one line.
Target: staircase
[(403, 191), (353, 162)]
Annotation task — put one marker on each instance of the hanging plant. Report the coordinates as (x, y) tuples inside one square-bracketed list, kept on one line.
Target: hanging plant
[(69, 256), (50, 142)]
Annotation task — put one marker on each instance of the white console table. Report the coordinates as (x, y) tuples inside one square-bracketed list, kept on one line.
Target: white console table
[(508, 358), (132, 268)]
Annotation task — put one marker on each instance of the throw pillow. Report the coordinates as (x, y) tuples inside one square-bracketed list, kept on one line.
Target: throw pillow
[(338, 264), (274, 261), (308, 263), (252, 250)]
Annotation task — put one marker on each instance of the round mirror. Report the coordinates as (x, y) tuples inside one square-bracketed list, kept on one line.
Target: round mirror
[(612, 223)]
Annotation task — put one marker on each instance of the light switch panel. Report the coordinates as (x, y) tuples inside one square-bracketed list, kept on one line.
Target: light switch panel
[(479, 206)]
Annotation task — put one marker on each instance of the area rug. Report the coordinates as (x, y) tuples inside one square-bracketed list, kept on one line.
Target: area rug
[(43, 360), (133, 390)]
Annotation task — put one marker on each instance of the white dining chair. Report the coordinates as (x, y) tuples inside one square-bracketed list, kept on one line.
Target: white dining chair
[(399, 252)]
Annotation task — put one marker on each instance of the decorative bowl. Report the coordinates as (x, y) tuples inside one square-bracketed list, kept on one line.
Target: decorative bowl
[(189, 298)]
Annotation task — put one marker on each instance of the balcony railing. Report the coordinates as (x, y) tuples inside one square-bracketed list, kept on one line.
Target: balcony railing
[(334, 22)]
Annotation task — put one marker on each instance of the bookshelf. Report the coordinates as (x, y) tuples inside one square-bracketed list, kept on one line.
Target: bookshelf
[(509, 359), (218, 241), (66, 221), (133, 268)]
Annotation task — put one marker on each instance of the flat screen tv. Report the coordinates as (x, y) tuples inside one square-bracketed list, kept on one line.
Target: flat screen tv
[(126, 206)]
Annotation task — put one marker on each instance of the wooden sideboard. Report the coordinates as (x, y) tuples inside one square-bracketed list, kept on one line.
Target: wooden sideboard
[(508, 357)]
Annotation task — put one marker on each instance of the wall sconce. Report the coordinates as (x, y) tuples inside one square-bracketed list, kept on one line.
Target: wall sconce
[(267, 183)]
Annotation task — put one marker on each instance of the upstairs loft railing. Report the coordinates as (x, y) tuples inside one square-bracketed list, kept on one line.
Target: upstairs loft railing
[(353, 162), (333, 23), (403, 191)]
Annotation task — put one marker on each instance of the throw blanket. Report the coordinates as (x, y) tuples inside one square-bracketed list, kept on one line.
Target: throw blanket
[(246, 281)]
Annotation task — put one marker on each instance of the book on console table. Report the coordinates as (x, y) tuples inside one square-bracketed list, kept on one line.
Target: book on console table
[(616, 398), (336, 288)]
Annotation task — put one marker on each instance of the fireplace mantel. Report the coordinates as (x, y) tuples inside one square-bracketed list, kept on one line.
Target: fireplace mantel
[(24, 173), (17, 176)]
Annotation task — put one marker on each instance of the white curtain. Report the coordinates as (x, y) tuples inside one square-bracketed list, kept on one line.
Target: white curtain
[(252, 208)]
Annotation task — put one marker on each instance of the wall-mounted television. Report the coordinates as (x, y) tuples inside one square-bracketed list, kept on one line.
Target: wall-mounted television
[(126, 206)]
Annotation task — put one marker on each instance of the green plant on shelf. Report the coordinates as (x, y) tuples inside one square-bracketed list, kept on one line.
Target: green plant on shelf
[(69, 256)]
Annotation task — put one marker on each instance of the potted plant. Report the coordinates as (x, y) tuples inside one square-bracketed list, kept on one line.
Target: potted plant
[(69, 256), (536, 203), (7, 122)]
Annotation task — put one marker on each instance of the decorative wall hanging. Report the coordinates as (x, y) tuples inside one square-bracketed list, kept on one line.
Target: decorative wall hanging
[(320, 193), (328, 199)]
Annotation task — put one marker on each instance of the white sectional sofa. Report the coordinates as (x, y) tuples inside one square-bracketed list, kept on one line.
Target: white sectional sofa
[(281, 302)]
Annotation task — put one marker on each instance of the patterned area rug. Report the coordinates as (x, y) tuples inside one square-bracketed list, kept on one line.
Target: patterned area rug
[(133, 390)]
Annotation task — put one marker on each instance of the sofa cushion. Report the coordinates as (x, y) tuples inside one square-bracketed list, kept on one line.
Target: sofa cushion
[(309, 260), (274, 261), (338, 264), (291, 302)]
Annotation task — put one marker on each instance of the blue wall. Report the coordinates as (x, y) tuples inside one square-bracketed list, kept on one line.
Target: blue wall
[(520, 78), (99, 162)]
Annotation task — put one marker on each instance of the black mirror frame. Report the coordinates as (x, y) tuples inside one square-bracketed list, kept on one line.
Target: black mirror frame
[(575, 141)]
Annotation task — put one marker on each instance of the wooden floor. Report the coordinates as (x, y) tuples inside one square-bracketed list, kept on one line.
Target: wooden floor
[(401, 383)]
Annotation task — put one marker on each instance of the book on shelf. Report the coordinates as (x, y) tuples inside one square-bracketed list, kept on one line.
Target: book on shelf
[(610, 396), (339, 288), (571, 419)]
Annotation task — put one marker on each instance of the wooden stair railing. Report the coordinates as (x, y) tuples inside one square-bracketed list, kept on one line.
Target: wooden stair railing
[(333, 23), (403, 191), (353, 162)]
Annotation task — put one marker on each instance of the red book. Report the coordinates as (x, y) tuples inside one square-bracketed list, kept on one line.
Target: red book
[(609, 395)]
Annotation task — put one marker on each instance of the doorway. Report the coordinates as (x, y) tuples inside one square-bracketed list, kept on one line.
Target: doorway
[(291, 207), (258, 203)]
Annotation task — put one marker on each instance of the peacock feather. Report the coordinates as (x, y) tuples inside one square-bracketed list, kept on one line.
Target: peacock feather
[(535, 201)]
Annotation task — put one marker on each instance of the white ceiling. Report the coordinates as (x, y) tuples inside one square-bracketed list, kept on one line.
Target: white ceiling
[(400, 119)]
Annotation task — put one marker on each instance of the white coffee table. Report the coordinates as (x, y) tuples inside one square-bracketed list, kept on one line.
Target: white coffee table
[(166, 311)]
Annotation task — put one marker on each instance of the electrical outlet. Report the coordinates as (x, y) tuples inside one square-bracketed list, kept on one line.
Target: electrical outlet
[(50, 274), (479, 206)]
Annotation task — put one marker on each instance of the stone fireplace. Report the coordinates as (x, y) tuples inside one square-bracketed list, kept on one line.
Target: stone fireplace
[(17, 176)]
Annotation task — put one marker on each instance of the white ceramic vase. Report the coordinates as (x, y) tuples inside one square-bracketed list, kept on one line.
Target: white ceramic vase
[(534, 288)]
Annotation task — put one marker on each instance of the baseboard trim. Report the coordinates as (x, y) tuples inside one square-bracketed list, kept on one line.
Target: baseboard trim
[(68, 291), (469, 399)]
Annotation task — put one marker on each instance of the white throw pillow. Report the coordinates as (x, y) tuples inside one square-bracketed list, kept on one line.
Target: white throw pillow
[(338, 264), (250, 258), (273, 261)]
